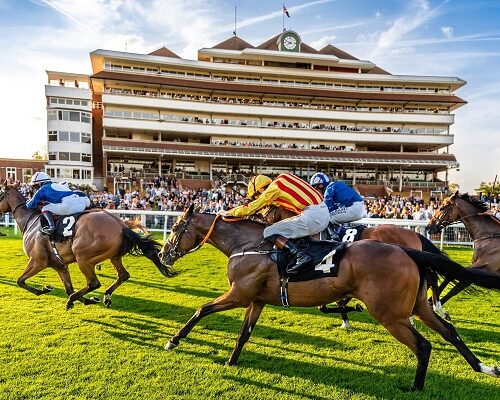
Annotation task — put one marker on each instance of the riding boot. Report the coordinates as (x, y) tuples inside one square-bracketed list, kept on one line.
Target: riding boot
[(300, 256), (332, 232), (48, 230)]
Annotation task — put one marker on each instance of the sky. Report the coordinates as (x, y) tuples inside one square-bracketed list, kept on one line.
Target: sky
[(456, 38)]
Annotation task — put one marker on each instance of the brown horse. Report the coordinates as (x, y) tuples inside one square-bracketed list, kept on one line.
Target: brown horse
[(387, 233), (98, 236), (484, 230), (389, 279)]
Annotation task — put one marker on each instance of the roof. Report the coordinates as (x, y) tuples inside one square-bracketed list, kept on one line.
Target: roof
[(163, 52), (233, 43), (378, 70), (279, 90), (272, 44), (335, 51)]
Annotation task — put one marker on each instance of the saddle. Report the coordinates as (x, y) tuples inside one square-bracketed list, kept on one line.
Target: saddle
[(325, 256), (65, 226)]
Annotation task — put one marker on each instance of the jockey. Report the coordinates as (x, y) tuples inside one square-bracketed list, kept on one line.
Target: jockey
[(59, 199), (344, 203), (292, 193), (493, 213)]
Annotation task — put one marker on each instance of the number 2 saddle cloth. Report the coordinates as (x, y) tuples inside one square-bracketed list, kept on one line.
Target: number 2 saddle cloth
[(65, 226)]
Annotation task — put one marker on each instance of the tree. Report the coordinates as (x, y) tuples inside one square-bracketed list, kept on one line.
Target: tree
[(453, 187), (487, 189), (39, 155)]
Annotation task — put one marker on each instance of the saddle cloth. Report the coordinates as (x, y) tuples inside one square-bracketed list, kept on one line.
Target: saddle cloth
[(347, 234), (65, 226), (325, 255)]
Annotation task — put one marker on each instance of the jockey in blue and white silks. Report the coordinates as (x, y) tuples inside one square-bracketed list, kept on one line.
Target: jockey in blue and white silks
[(58, 199), (344, 203)]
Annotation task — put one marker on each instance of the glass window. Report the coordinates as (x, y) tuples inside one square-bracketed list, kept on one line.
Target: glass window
[(52, 136), (51, 172), (86, 117), (86, 138), (52, 156), (60, 101), (86, 157), (74, 156), (65, 173), (51, 115), (74, 136), (76, 174), (86, 174), (63, 136), (64, 155), (53, 100), (11, 173), (83, 103), (74, 116)]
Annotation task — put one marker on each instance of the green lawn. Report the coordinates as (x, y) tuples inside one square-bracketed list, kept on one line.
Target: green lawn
[(98, 353)]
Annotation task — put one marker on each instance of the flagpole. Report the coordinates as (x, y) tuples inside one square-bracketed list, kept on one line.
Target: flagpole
[(234, 21), (283, 12)]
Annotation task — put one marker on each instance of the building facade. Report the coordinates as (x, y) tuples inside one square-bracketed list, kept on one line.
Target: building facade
[(280, 106), (69, 128)]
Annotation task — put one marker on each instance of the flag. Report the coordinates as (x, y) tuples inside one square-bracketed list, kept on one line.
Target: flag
[(286, 11)]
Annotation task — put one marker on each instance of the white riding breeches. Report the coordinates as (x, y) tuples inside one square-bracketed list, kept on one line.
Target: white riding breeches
[(71, 204), (313, 219), (352, 213)]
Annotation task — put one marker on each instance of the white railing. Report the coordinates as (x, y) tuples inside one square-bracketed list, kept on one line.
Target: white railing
[(162, 221)]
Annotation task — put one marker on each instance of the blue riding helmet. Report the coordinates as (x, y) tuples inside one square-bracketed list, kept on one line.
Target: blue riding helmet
[(319, 178)]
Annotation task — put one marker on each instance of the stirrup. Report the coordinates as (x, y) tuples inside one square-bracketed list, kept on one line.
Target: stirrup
[(48, 230)]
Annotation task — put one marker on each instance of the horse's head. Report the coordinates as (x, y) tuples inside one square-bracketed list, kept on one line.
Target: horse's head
[(5, 194), (182, 240), (454, 208)]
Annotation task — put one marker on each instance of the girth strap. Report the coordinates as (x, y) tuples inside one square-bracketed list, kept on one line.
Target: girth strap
[(284, 292)]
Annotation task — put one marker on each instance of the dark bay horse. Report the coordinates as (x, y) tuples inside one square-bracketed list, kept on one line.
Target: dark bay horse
[(387, 278), (98, 236), (484, 230), (388, 233)]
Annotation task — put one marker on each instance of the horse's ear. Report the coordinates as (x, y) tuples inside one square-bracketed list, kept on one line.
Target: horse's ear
[(5, 184), (454, 195), (16, 185), (190, 209)]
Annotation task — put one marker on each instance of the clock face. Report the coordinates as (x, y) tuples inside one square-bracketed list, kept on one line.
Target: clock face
[(289, 42)]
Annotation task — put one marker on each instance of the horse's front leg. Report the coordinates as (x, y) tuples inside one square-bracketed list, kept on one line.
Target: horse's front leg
[(227, 301), (251, 317), (68, 285), (33, 268)]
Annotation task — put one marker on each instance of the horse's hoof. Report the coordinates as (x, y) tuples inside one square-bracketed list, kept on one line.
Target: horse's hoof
[(98, 267), (107, 302), (447, 316), (230, 363), (496, 371), (345, 325), (359, 307), (48, 288), (170, 345), (323, 309), (95, 300), (69, 306)]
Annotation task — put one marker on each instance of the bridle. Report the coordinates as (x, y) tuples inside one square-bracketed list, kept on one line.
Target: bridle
[(441, 223), (173, 252)]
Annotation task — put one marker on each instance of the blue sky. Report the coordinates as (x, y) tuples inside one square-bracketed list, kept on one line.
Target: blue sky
[(415, 37)]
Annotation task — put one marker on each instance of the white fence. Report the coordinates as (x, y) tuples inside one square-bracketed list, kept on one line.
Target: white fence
[(162, 221)]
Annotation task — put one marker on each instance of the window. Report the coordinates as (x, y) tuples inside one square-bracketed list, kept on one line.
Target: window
[(74, 136), (86, 157), (52, 115), (27, 173), (63, 136), (64, 156), (86, 117), (74, 156), (86, 174), (11, 173), (74, 116), (52, 156), (76, 174), (52, 136), (86, 137), (51, 172)]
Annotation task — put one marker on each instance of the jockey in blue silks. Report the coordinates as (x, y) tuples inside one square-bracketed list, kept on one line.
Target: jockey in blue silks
[(58, 199), (344, 203)]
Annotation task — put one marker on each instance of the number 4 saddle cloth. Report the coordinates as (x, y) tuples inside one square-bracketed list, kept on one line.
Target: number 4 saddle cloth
[(65, 226), (325, 262)]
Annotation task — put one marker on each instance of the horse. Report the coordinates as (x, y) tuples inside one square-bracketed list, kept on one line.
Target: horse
[(388, 233), (484, 230), (98, 236), (388, 279)]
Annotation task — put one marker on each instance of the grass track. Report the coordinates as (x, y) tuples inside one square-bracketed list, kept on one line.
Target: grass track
[(98, 353)]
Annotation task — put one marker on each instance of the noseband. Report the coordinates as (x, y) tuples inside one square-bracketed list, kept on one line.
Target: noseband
[(174, 252), (440, 223)]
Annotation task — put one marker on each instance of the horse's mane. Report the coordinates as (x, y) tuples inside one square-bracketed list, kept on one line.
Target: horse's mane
[(244, 220), (474, 201)]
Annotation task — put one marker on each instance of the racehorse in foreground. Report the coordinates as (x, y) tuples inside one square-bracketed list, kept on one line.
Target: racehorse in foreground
[(484, 229), (98, 236), (369, 270)]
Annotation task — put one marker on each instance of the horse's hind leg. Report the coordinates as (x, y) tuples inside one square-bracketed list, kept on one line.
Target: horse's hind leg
[(227, 301), (33, 268), (251, 317), (123, 276), (448, 332), (88, 270), (68, 285)]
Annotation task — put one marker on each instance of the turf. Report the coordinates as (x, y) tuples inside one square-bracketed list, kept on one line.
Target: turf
[(92, 352)]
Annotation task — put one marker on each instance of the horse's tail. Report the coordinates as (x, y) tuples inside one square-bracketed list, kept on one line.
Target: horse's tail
[(137, 245), (451, 270), (427, 245)]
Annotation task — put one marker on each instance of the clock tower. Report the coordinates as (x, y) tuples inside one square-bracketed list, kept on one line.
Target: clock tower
[(289, 41)]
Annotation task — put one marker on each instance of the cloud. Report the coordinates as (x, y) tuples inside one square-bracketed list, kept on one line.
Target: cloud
[(447, 31), (378, 14), (322, 42)]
